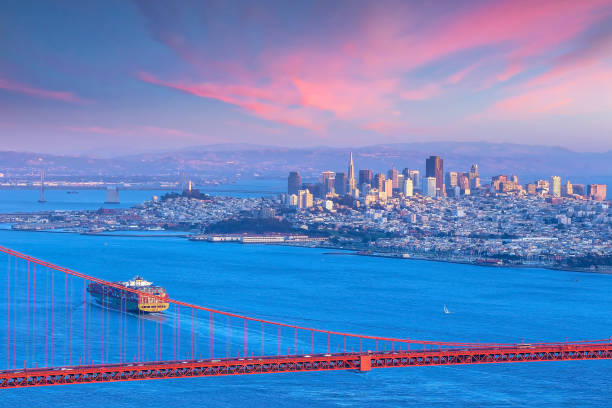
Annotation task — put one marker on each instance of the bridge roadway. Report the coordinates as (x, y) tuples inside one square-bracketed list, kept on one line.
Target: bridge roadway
[(318, 362)]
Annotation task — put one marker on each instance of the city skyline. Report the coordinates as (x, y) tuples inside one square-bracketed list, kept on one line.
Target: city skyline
[(126, 76), (379, 189)]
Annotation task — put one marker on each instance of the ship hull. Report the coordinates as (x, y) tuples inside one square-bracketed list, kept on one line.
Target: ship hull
[(128, 301)]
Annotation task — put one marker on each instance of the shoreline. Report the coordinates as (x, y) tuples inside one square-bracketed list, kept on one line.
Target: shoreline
[(333, 249)]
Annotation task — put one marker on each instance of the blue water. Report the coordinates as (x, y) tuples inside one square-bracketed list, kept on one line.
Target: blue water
[(27, 200), (377, 296)]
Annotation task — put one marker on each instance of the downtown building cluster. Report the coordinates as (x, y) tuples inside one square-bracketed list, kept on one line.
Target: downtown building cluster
[(377, 188)]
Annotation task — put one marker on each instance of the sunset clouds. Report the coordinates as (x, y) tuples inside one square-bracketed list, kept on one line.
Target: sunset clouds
[(342, 72), (380, 58), (30, 90)]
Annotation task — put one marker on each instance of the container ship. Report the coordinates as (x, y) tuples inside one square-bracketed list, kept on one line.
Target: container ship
[(133, 302)]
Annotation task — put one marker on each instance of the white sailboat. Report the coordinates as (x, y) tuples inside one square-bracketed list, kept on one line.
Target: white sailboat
[(446, 311)]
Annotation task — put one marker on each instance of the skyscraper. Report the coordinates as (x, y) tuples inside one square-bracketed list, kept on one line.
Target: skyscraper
[(556, 186), (596, 192), (452, 179), (327, 179), (365, 177), (352, 182), (305, 199), (474, 171), (340, 184), (389, 188), (430, 186), (379, 181), (294, 182), (434, 168), (415, 175), (567, 190), (392, 175), (408, 190)]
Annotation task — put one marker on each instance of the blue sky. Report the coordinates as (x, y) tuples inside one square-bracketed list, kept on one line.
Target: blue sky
[(145, 75)]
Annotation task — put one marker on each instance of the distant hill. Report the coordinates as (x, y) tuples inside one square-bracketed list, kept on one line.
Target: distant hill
[(245, 161)]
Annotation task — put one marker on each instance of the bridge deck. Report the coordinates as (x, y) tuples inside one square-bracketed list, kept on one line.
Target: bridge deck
[(344, 361)]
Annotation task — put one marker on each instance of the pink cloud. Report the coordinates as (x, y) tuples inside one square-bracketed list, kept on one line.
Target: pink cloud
[(361, 73), (40, 93), (587, 93), (267, 103), (511, 71), (422, 93), (433, 89)]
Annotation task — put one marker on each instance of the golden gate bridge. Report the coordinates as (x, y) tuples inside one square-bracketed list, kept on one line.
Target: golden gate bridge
[(56, 334)]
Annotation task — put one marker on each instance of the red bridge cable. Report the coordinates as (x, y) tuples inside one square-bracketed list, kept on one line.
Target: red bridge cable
[(34, 318), (70, 344), (262, 321), (83, 340), (176, 302), (52, 314), (8, 319), (15, 316), (28, 319), (47, 319), (65, 318)]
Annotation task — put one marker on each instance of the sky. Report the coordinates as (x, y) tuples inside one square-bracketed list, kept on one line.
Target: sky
[(134, 76)]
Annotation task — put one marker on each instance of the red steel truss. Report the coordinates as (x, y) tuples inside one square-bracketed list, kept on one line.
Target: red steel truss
[(348, 361)]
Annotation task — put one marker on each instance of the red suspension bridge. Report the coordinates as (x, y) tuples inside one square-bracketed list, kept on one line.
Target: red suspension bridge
[(56, 333)]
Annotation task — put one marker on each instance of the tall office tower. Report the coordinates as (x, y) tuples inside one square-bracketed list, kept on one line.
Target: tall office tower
[(531, 188), (452, 179), (304, 199), (556, 186), (474, 171), (596, 192), (352, 182), (463, 182), (415, 175), (430, 186), (294, 182), (474, 183), (542, 186), (498, 181), (407, 189), (434, 168), (379, 181), (400, 181), (389, 188), (392, 175), (567, 190), (42, 187), (327, 180), (406, 172), (514, 179), (365, 177), (292, 200), (340, 184)]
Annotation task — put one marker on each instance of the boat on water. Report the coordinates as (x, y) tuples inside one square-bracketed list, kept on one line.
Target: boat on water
[(149, 298), (446, 311)]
